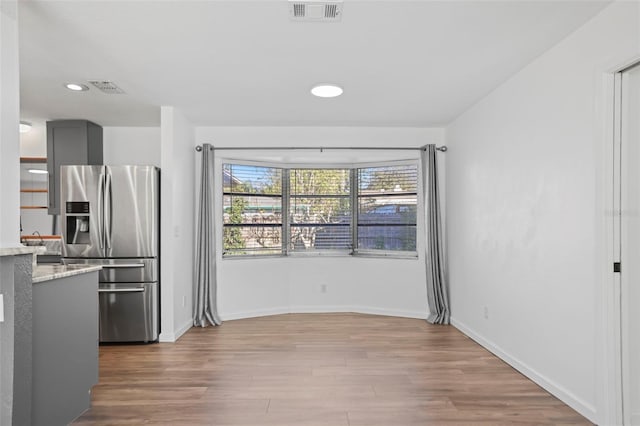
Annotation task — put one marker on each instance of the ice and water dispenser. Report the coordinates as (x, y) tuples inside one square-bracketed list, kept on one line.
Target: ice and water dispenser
[(77, 222)]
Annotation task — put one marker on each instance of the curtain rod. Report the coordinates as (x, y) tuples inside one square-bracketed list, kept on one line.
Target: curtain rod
[(318, 148)]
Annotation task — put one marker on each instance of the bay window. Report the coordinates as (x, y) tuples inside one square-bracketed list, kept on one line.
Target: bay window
[(351, 211)]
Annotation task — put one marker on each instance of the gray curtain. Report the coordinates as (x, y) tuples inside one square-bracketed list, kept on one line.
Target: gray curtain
[(437, 287), (205, 310)]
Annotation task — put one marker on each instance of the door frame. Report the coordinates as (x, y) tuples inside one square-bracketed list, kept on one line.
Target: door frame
[(610, 355)]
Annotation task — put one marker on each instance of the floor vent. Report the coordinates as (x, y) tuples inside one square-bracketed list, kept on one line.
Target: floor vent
[(106, 86), (315, 11)]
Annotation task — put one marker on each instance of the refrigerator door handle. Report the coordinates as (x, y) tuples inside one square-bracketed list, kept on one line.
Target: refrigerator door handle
[(124, 265), (101, 209), (107, 212), (121, 290)]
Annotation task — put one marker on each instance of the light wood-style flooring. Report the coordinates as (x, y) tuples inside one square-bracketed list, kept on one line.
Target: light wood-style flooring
[(317, 369)]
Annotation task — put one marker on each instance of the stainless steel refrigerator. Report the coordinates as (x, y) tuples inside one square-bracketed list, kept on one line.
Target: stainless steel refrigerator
[(110, 216)]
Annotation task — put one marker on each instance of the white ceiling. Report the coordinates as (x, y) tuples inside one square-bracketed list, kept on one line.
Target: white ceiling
[(244, 63)]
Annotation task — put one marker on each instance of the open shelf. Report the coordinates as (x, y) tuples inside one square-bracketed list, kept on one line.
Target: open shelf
[(33, 207), (40, 237), (34, 190), (33, 160)]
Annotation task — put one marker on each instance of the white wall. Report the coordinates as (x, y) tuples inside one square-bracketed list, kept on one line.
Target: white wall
[(131, 146), (254, 287), (34, 142), (121, 145), (177, 223), (9, 119), (9, 190), (525, 211)]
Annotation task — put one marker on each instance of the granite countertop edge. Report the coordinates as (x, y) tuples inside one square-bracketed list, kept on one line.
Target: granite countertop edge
[(14, 251), (43, 273)]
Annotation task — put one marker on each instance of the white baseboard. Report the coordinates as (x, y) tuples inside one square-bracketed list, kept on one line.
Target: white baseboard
[(184, 328), (549, 385), (307, 309), (229, 316), (301, 309), (176, 334), (167, 338)]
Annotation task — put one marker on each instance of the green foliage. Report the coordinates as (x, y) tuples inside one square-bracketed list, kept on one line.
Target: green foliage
[(387, 179), (381, 180), (232, 239), (273, 182), (332, 183)]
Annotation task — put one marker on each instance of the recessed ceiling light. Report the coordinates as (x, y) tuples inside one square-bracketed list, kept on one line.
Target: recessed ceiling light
[(326, 90), (38, 171), (76, 87), (24, 127)]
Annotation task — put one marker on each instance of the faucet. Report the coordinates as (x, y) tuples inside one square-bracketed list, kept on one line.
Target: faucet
[(41, 239)]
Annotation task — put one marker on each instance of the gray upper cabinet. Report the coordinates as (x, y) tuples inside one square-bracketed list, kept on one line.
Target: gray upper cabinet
[(70, 142)]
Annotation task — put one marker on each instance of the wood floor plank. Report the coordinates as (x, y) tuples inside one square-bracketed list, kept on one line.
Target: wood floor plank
[(317, 370)]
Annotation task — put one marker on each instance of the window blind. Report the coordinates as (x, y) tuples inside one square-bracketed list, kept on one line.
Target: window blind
[(320, 209), (252, 210), (387, 208)]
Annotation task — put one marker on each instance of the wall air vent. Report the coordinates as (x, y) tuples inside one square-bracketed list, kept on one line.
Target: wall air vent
[(106, 86), (315, 11)]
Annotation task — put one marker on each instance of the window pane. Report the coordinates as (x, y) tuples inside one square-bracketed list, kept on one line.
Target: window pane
[(320, 209), (249, 209), (320, 223), (387, 211), (323, 237), (252, 210), (388, 180), (401, 238), (320, 181), (252, 240), (243, 179), (387, 208)]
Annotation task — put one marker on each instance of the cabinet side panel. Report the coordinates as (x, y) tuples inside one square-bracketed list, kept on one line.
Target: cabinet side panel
[(94, 144), (51, 160), (65, 347), (66, 145)]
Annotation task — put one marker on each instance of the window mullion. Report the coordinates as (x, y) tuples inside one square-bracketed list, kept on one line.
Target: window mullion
[(286, 230), (354, 210)]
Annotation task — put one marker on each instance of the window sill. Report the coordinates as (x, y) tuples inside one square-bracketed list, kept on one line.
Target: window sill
[(385, 255), (388, 255)]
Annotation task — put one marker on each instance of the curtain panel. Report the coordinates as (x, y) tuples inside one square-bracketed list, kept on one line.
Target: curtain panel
[(437, 286), (205, 311)]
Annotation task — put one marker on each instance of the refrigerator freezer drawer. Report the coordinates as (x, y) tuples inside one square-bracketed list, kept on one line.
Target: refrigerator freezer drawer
[(128, 312), (123, 270)]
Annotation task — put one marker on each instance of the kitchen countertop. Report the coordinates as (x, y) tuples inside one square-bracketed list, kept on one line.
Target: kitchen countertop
[(51, 272), (12, 251)]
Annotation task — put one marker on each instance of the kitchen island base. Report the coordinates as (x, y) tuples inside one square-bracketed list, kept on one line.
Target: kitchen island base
[(65, 343)]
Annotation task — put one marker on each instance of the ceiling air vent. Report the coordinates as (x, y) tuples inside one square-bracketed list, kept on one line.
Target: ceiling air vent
[(108, 87), (315, 11)]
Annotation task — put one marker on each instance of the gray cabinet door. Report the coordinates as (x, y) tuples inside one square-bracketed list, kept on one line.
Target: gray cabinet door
[(70, 142)]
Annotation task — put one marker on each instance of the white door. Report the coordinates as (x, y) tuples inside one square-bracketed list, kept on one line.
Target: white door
[(629, 102)]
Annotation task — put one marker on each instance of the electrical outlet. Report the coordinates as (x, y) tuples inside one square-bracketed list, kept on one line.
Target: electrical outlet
[(1, 308), (323, 288), (184, 301), (486, 312)]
